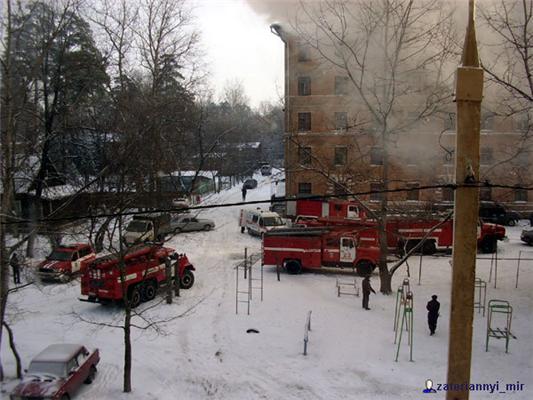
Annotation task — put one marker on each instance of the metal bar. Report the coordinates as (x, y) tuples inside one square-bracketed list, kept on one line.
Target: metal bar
[(518, 268), (495, 268), (420, 269)]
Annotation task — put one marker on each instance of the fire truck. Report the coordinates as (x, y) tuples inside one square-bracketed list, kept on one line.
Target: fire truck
[(296, 249), (405, 233), (329, 209), (144, 274)]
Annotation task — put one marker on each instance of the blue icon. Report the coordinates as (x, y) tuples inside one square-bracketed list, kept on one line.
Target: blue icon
[(429, 387)]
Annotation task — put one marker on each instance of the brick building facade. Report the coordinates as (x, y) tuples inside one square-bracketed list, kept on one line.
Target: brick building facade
[(329, 147)]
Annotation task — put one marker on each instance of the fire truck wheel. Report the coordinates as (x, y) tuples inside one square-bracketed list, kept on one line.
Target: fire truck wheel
[(187, 280), (150, 290), (293, 267), (134, 297), (364, 268), (489, 245), (64, 278), (429, 247), (242, 229)]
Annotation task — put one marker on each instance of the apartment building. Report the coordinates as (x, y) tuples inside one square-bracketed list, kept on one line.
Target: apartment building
[(331, 147)]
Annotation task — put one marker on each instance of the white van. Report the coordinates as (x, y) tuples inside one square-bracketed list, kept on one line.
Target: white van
[(257, 222)]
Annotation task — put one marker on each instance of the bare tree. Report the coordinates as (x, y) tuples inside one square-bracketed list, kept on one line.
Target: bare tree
[(394, 54)]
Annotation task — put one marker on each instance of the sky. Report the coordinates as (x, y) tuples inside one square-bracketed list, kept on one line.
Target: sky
[(239, 46)]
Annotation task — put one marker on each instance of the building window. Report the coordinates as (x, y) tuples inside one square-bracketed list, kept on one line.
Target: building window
[(376, 156), (450, 121), (485, 193), (304, 52), (414, 193), (341, 120), (304, 122), (375, 189), (522, 158), (340, 189), (487, 122), (304, 86), (304, 155), (447, 194), (341, 154), (486, 155), (520, 194), (341, 85), (304, 188)]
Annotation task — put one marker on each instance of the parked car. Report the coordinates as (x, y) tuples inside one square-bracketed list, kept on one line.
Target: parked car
[(57, 372), (250, 184), (490, 211), (527, 236), (66, 261), (188, 223)]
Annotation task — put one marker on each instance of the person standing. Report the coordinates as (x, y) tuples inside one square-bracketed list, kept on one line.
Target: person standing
[(15, 266), (366, 292), (433, 307), (243, 193)]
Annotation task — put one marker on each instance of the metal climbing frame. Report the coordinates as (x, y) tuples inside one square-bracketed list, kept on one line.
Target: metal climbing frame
[(407, 321), (480, 286), (244, 295), (499, 307), (400, 301), (349, 285)]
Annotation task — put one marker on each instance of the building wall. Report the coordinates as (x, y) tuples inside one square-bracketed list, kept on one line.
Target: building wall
[(422, 154)]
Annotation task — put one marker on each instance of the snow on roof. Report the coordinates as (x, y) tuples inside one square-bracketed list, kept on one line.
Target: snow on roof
[(205, 174), (57, 192), (59, 352), (249, 145)]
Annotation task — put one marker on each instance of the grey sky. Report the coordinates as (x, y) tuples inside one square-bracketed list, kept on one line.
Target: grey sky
[(239, 45)]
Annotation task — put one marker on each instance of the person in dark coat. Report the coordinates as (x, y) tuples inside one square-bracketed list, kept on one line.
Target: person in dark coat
[(366, 292), (243, 193), (15, 266), (433, 307)]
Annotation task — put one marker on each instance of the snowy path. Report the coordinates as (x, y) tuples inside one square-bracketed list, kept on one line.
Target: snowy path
[(207, 354)]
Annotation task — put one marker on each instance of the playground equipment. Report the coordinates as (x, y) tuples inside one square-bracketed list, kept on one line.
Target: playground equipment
[(347, 288), (480, 288), (499, 307), (400, 300), (407, 321), (307, 328), (244, 295)]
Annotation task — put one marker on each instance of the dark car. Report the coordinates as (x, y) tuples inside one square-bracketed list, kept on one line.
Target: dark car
[(57, 372), (249, 184), (496, 213)]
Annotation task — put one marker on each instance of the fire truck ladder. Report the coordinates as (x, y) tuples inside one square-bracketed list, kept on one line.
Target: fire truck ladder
[(244, 294), (500, 307), (348, 288)]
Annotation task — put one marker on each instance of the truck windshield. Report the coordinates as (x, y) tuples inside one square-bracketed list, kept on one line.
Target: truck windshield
[(47, 367), (272, 221), (137, 226), (60, 256)]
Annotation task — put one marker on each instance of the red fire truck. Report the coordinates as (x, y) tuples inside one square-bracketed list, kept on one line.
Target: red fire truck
[(315, 248), (144, 274), (405, 233), (330, 209)]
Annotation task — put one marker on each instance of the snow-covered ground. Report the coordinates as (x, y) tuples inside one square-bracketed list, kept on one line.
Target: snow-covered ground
[(206, 353)]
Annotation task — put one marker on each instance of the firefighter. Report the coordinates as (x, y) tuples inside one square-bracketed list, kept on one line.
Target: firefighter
[(243, 193), (366, 291), (433, 307), (15, 266)]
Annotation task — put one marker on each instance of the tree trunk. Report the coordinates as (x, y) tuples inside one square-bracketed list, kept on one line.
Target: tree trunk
[(13, 349), (385, 277), (127, 350)]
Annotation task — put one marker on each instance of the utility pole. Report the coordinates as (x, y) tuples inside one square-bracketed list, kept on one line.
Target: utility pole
[(468, 91)]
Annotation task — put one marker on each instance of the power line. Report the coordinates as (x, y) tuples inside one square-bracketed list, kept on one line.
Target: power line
[(452, 186)]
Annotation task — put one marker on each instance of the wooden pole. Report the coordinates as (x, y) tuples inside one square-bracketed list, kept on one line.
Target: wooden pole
[(469, 91)]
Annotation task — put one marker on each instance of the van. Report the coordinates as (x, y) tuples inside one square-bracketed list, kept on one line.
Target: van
[(257, 222)]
